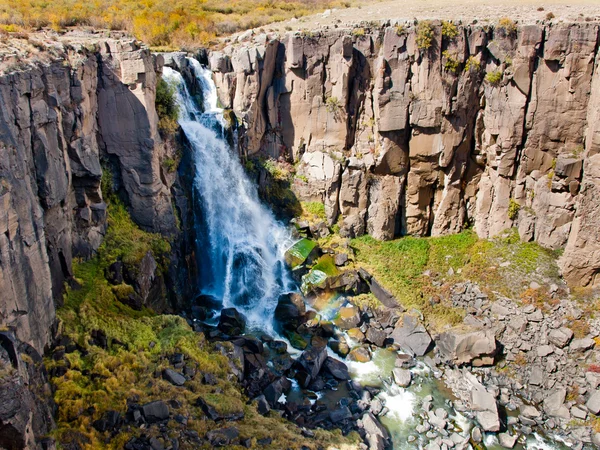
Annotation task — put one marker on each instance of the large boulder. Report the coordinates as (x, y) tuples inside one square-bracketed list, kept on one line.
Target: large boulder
[(290, 312), (309, 364), (485, 407), (477, 348), (155, 411), (411, 336), (376, 434), (232, 322)]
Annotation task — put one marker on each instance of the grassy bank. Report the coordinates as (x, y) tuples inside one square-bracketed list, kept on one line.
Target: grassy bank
[(90, 379)]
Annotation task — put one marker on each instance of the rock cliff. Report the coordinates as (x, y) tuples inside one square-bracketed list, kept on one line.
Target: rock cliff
[(85, 105), (426, 128)]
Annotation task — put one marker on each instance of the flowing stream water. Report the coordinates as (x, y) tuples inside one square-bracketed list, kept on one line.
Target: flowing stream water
[(241, 247)]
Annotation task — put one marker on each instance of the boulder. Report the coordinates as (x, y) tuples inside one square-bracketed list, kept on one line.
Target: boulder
[(554, 403), (477, 348), (560, 337), (581, 345), (593, 403), (336, 368), (232, 322), (402, 377), (360, 354), (348, 317), (486, 409), (222, 436), (507, 440), (309, 364), (376, 336), (276, 389), (411, 336), (376, 435), (173, 377), (289, 312), (155, 411)]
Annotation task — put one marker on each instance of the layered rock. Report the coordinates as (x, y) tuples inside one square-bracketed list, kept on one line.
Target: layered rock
[(487, 126), (92, 101)]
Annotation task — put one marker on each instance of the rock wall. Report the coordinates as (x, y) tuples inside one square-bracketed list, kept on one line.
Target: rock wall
[(89, 105), (487, 126)]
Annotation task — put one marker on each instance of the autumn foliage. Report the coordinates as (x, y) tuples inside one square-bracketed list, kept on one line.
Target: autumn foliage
[(176, 23)]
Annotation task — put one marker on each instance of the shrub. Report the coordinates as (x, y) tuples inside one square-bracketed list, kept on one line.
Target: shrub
[(333, 104), (424, 35), (507, 26), (513, 209), (166, 107), (449, 30), (451, 64), (494, 77), (550, 16), (359, 32), (472, 64), (400, 30), (170, 164)]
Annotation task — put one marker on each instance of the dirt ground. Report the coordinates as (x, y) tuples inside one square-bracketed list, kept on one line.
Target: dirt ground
[(484, 11)]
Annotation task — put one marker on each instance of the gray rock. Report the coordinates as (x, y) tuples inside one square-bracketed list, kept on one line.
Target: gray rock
[(580, 345), (376, 434), (486, 409), (402, 377), (506, 440), (477, 348), (593, 403), (155, 411), (411, 336), (553, 403), (173, 377), (560, 337), (476, 435), (544, 350)]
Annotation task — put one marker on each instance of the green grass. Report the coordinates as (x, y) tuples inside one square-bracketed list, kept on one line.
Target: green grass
[(400, 266), (166, 107), (139, 344), (313, 212)]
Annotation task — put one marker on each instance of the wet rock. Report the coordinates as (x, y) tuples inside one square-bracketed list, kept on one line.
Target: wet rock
[(402, 377), (359, 354), (276, 389), (411, 336), (262, 405), (339, 347), (507, 440), (155, 411), (347, 318), (289, 312), (232, 322), (376, 336), (356, 335), (338, 369), (309, 364), (173, 377), (476, 435), (340, 414)]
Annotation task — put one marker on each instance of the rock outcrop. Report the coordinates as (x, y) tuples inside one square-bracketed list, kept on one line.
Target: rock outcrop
[(89, 107), (490, 126)]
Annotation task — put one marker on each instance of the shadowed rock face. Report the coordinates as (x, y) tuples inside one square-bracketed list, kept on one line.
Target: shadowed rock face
[(402, 140), (57, 121)]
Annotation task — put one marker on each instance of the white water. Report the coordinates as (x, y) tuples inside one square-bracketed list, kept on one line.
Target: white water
[(240, 245)]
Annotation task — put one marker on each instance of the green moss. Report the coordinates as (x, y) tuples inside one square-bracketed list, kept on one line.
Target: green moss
[(326, 264), (313, 211), (166, 107), (139, 344), (299, 252)]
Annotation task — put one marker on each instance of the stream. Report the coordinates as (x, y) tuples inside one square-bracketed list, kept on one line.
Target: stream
[(242, 246)]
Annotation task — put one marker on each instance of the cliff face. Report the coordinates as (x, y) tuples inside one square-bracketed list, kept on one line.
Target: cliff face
[(92, 101), (495, 127)]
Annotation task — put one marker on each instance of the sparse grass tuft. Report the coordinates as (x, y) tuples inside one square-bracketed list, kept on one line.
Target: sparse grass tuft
[(494, 77), (451, 63), (513, 209), (449, 30), (507, 26)]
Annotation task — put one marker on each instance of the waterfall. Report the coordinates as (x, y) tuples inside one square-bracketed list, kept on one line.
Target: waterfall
[(241, 244)]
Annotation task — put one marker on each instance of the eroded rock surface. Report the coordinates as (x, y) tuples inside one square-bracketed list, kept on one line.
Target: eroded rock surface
[(489, 127)]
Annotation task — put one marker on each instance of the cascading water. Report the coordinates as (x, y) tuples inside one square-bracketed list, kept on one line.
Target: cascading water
[(241, 243)]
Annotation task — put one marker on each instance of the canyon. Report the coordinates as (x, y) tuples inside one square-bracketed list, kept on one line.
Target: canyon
[(398, 128)]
